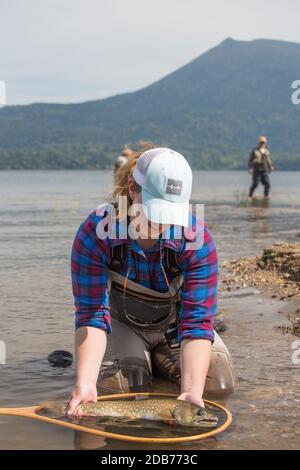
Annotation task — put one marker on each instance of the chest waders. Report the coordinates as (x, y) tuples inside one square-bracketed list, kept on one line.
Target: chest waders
[(144, 333), (257, 177), (261, 167)]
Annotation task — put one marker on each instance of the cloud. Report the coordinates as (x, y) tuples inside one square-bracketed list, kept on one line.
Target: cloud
[(75, 50)]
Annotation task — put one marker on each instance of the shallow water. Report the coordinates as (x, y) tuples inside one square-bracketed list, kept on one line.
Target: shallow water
[(39, 213)]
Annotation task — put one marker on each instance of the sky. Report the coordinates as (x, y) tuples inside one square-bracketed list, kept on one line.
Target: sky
[(79, 50)]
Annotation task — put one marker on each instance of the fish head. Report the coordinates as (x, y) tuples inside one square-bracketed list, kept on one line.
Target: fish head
[(189, 414)]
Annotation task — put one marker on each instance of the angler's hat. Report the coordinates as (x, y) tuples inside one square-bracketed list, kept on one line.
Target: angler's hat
[(166, 180)]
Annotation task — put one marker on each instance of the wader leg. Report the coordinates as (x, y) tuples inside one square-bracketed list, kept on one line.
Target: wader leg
[(126, 365), (266, 182), (255, 183), (220, 378)]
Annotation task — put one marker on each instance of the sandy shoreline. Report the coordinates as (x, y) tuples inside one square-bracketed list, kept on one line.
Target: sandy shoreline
[(275, 273)]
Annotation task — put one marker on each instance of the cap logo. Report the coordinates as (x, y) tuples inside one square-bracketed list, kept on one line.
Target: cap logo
[(174, 186)]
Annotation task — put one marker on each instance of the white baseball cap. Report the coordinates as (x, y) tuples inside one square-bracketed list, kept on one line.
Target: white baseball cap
[(166, 180)]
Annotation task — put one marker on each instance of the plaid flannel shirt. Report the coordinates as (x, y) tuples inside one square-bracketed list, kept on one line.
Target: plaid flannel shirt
[(90, 261)]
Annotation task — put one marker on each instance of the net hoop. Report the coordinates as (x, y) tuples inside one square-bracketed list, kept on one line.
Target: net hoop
[(31, 412)]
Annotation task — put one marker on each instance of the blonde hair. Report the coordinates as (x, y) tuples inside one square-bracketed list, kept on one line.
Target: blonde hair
[(123, 174)]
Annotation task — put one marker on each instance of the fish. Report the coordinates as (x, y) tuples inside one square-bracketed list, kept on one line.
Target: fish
[(171, 410)]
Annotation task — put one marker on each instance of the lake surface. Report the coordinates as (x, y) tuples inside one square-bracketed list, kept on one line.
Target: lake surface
[(39, 214)]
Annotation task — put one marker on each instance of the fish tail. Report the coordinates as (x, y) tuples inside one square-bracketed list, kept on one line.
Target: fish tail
[(54, 407)]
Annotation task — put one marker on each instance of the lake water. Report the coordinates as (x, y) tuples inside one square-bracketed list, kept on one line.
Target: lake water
[(39, 214)]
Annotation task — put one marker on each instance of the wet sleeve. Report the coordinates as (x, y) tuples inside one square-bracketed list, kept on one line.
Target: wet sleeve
[(199, 291), (89, 269)]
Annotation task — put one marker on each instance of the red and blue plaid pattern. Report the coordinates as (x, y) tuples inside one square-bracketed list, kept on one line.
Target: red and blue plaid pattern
[(91, 257)]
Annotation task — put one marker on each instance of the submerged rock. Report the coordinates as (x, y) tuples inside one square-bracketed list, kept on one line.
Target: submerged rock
[(219, 325), (294, 327)]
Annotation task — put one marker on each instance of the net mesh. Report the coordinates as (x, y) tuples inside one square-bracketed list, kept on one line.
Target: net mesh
[(144, 161)]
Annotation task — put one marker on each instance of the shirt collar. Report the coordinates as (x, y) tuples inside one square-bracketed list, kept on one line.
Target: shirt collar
[(166, 237)]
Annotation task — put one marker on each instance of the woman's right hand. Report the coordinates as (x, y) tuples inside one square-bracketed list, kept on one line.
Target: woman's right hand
[(82, 393), (90, 345)]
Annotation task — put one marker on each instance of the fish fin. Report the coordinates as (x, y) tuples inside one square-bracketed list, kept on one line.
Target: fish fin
[(126, 419), (116, 420), (165, 415), (169, 421)]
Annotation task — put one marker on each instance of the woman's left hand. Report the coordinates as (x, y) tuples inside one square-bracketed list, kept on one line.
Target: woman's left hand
[(191, 397)]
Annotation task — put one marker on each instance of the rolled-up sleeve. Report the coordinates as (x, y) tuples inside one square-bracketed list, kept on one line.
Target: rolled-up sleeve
[(89, 269), (199, 290)]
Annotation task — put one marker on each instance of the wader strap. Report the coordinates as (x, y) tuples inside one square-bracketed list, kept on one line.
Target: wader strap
[(141, 300), (119, 252), (144, 307), (172, 266)]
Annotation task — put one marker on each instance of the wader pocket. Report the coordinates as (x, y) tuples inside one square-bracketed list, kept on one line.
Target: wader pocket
[(138, 311)]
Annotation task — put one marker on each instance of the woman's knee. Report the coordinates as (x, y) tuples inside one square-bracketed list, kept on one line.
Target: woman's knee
[(166, 362), (220, 378), (126, 365), (125, 379)]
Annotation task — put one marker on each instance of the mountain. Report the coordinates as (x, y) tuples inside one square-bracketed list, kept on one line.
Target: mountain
[(212, 110)]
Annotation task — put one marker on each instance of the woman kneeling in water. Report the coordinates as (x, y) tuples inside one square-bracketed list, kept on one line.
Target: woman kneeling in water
[(145, 294)]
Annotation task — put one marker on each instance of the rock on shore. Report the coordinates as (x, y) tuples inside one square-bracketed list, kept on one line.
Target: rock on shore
[(276, 271)]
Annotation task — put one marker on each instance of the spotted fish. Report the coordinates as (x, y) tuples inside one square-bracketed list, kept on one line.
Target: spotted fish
[(156, 409)]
